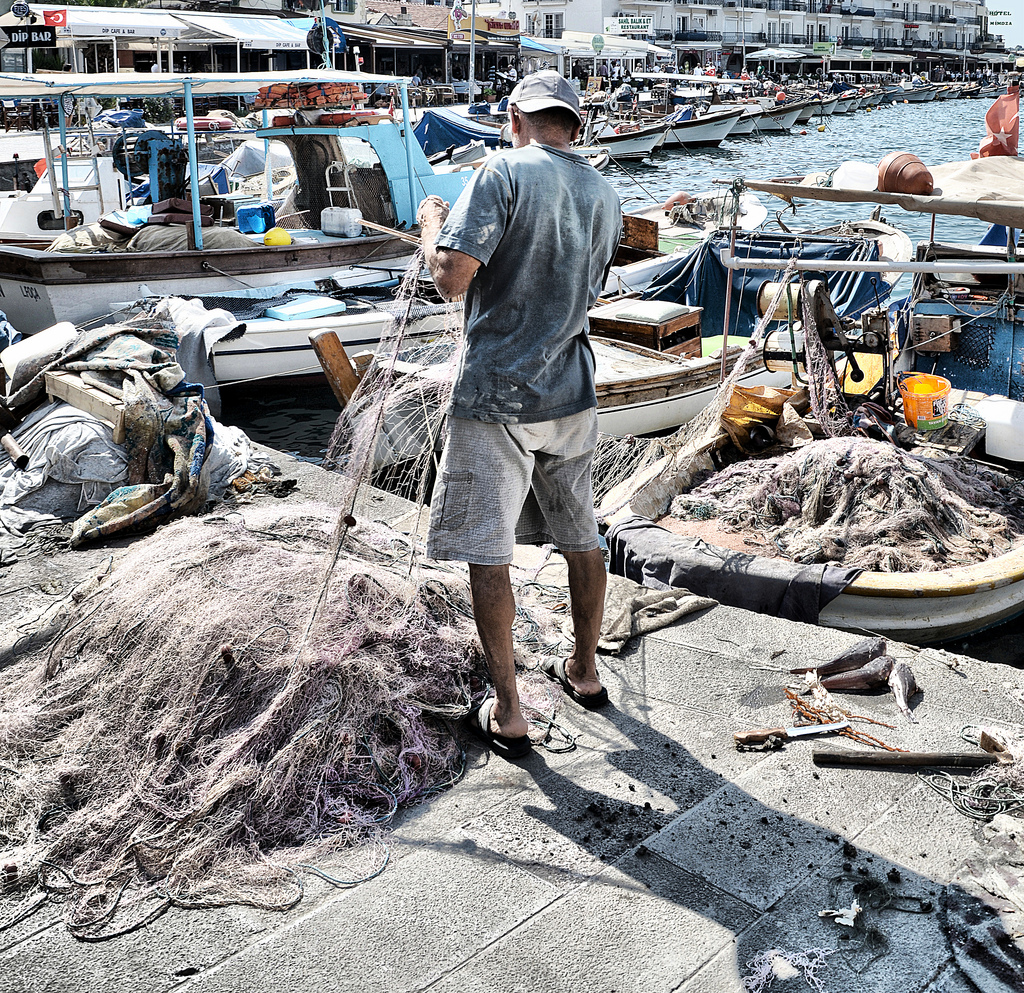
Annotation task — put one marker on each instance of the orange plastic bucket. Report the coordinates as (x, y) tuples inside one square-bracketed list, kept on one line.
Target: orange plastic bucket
[(925, 400)]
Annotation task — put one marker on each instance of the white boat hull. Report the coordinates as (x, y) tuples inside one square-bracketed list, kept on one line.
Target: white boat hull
[(72, 288), (931, 607), (272, 349), (919, 94), (628, 146), (747, 123), (778, 120), (708, 131)]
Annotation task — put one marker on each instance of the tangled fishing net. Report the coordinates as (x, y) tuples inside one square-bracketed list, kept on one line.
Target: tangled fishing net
[(866, 504), (182, 742)]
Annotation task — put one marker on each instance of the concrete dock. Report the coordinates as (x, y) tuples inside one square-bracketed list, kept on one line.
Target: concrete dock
[(654, 857)]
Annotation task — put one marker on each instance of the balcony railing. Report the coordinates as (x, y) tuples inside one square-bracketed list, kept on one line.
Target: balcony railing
[(698, 36), (739, 37), (799, 5)]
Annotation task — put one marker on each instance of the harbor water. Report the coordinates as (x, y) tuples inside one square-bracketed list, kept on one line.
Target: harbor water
[(299, 419)]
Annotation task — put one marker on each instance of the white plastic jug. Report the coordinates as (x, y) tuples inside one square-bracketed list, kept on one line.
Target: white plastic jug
[(853, 175), (1004, 427), (341, 222)]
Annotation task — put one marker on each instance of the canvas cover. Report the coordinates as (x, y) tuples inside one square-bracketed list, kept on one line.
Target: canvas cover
[(990, 189), (440, 129), (701, 280)]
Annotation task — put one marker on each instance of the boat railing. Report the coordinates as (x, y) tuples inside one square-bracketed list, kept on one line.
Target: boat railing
[(993, 266)]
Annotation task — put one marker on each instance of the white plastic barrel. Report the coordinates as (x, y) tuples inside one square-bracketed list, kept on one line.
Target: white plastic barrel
[(1004, 427)]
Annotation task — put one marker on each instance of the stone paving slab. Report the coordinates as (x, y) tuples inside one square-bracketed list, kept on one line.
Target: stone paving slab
[(642, 926), (401, 931)]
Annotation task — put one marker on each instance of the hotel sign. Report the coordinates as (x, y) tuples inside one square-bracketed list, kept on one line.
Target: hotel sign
[(460, 26), (630, 24)]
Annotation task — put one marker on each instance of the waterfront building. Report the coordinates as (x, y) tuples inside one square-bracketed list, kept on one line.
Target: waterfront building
[(724, 31)]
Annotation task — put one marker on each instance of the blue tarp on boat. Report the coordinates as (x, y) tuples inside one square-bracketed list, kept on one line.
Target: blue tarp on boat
[(441, 128), (700, 279)]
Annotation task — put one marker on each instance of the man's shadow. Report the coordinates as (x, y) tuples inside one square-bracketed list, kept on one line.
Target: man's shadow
[(726, 866)]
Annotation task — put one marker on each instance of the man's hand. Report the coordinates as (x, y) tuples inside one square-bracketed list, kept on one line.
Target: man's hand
[(432, 212)]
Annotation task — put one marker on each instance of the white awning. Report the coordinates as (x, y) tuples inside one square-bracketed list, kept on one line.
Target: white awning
[(578, 44), (127, 84), (261, 33), (97, 23), (778, 54)]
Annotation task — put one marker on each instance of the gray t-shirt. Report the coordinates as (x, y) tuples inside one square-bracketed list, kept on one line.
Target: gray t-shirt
[(545, 225)]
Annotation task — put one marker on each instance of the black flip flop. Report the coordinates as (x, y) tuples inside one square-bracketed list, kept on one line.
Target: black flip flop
[(555, 669), (508, 748)]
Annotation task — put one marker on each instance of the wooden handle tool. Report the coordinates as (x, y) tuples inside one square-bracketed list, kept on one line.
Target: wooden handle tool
[(893, 760)]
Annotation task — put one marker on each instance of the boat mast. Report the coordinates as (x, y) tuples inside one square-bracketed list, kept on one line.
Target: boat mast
[(193, 166), (472, 50)]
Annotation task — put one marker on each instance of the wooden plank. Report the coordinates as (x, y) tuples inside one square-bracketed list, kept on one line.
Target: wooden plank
[(68, 386), (336, 364)]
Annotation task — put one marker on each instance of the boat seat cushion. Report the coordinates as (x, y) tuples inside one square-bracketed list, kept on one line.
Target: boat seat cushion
[(649, 311)]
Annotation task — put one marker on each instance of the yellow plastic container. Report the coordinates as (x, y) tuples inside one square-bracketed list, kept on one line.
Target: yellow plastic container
[(925, 400)]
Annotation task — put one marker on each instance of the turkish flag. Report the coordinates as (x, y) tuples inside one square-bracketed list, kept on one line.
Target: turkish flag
[(1002, 122), (55, 18)]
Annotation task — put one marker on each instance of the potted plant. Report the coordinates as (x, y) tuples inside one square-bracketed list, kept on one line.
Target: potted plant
[(489, 95)]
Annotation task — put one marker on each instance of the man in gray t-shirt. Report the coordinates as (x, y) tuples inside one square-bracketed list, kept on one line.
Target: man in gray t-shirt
[(529, 243)]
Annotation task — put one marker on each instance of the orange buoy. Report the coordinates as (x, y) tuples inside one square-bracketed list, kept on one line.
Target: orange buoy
[(904, 172), (803, 132)]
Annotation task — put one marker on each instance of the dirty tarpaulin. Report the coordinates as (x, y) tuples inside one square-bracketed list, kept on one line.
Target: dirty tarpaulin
[(167, 426)]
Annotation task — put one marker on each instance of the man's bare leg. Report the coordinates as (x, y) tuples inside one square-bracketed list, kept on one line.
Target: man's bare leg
[(494, 609), (587, 582)]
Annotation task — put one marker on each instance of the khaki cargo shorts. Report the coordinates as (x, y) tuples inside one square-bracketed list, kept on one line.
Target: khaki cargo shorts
[(503, 483)]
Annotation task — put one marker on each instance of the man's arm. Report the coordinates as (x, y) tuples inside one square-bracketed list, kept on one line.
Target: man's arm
[(452, 270)]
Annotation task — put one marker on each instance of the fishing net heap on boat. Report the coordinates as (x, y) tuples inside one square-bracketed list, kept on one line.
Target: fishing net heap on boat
[(864, 503), (185, 741)]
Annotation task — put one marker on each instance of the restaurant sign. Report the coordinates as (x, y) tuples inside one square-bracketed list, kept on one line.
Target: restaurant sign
[(29, 37), (642, 24), (824, 48), (500, 29)]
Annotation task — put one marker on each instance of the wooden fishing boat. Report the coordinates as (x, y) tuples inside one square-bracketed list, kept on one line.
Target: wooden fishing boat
[(707, 130), (388, 177), (922, 608), (634, 144)]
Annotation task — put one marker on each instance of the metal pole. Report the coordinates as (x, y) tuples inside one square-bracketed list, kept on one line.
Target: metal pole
[(728, 302), (952, 266), (63, 123), (407, 135), (268, 178), (193, 165), (472, 51)]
